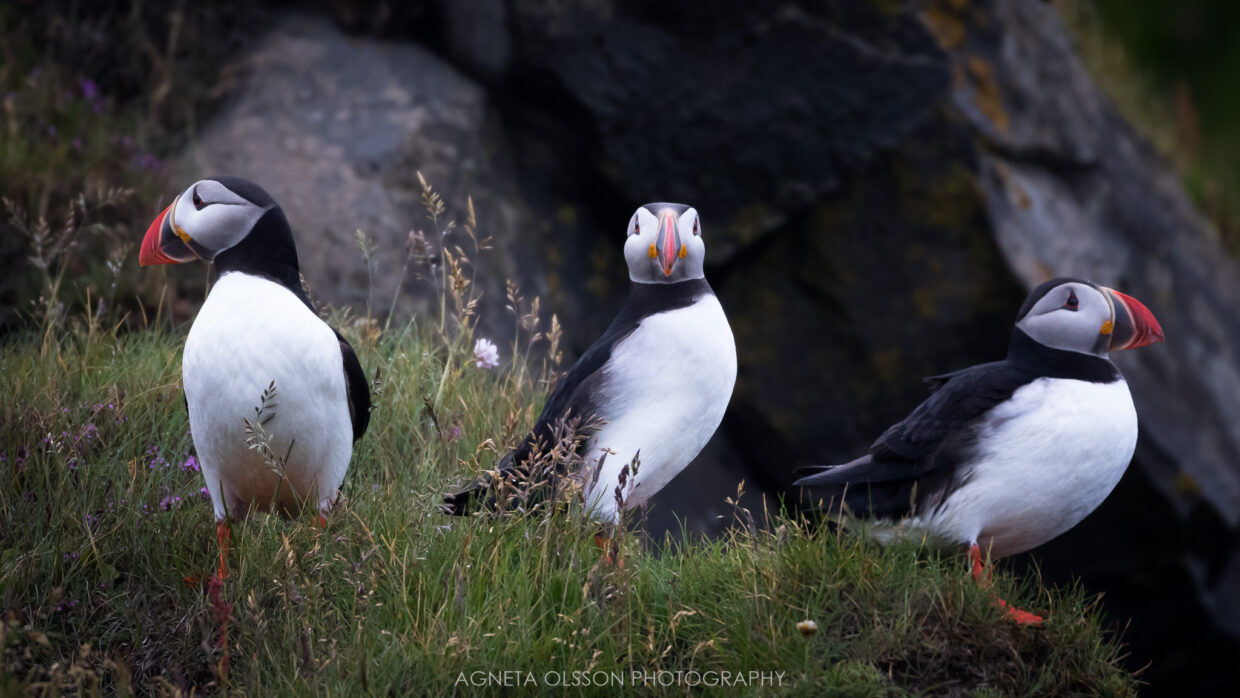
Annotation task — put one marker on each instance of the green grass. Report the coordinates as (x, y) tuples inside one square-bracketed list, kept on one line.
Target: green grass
[(394, 598)]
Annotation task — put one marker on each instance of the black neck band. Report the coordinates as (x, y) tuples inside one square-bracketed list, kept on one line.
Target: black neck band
[(268, 251), (1046, 361), (653, 297)]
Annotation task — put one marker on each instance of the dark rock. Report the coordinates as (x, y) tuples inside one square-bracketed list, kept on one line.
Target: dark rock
[(751, 114), (476, 34), (336, 130)]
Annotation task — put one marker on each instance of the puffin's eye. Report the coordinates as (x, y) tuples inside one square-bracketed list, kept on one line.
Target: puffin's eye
[(636, 228), (695, 227), (198, 202), (1072, 303)]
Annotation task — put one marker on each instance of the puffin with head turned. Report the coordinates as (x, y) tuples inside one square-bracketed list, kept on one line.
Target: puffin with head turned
[(1005, 456), (658, 380), (257, 330)]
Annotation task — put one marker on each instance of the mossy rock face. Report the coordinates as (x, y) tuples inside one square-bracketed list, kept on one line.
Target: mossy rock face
[(830, 309)]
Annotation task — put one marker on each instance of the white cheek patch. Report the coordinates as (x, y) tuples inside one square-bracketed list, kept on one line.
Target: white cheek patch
[(222, 227), (648, 223), (224, 220), (686, 222)]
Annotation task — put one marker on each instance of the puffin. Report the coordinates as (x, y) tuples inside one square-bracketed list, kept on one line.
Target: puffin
[(1006, 456), (657, 382), (259, 353)]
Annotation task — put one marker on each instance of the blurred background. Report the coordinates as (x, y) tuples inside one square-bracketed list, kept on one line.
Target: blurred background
[(880, 183)]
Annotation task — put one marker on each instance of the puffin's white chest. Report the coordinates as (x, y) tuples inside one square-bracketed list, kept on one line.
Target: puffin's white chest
[(1047, 458), (251, 332), (665, 390)]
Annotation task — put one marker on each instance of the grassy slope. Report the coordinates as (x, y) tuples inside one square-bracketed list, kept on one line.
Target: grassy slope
[(395, 598)]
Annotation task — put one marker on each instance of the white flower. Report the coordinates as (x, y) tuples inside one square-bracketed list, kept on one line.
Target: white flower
[(486, 353)]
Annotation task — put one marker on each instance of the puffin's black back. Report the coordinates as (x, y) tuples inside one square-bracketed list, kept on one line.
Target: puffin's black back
[(930, 453)]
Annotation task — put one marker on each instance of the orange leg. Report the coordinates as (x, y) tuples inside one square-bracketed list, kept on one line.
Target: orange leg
[(1021, 617), (223, 532), (604, 543)]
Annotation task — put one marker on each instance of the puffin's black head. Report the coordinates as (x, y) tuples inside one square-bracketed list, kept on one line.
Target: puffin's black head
[(1081, 316), (665, 244), (211, 216), (228, 220)]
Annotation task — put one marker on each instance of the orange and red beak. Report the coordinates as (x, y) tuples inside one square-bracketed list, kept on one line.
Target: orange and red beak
[(668, 244), (161, 245), (1135, 326)]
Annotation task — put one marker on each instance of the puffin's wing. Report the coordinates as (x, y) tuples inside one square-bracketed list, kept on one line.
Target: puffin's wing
[(926, 451), (356, 388), (936, 382), (958, 401), (582, 391), (577, 394)]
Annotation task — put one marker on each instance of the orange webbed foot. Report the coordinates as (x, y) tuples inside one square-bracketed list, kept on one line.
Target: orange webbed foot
[(981, 575), (1020, 617)]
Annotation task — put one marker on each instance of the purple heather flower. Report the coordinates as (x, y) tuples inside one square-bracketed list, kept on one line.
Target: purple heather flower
[(190, 465), (89, 89)]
